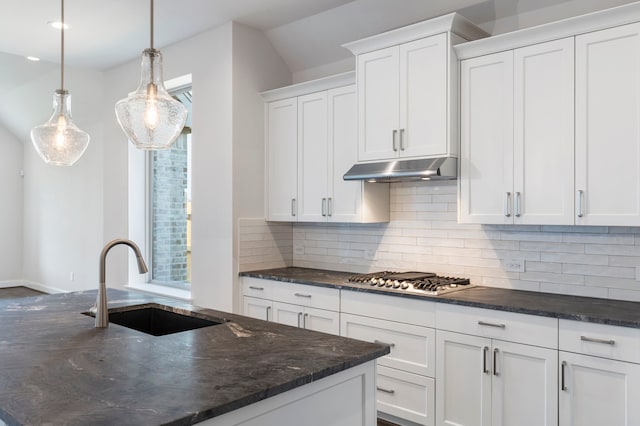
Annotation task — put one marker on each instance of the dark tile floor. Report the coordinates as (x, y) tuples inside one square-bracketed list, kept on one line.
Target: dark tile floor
[(13, 292)]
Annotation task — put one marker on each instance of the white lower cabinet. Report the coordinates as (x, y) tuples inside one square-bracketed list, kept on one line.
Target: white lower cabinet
[(298, 305), (405, 379), (308, 318), (599, 375), (482, 380)]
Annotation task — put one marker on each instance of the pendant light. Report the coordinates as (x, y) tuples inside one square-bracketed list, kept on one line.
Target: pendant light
[(150, 117), (59, 142)]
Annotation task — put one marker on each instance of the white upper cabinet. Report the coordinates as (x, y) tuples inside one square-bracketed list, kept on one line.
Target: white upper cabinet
[(517, 136), (403, 100), (486, 160), (281, 152), (311, 142), (406, 78), (608, 127), (575, 124)]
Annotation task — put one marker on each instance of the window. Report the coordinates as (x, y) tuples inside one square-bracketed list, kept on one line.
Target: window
[(169, 226)]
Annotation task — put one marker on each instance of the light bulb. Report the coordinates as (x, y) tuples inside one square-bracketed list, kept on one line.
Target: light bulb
[(151, 113)]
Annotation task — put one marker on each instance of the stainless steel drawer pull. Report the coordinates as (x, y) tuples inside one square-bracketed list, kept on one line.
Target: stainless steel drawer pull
[(507, 204), (484, 360), (304, 320), (256, 288), (324, 207), (489, 324), (384, 343), (579, 197), (390, 391), (302, 295), (293, 207), (394, 137), (330, 206), (517, 208), (562, 385), (592, 340), (268, 310), (495, 362), (401, 139), (299, 317)]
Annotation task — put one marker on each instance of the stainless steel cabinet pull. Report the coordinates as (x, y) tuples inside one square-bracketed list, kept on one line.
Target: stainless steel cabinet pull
[(268, 310), (507, 204), (401, 139), (256, 288), (304, 320), (495, 362), (579, 197), (489, 324), (517, 208), (390, 391), (592, 340), (293, 207), (330, 206), (484, 360), (299, 317), (394, 137), (324, 207), (563, 367), (302, 295), (384, 343)]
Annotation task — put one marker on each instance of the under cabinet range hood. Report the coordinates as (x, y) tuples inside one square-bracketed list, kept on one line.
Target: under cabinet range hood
[(442, 168)]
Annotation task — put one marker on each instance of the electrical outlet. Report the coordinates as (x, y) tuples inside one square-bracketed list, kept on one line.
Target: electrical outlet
[(71, 276), (514, 265)]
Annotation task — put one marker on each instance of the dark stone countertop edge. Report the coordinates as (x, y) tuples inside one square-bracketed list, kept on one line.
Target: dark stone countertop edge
[(540, 303)]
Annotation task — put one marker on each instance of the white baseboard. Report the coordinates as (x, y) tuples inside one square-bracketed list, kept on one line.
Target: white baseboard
[(11, 283), (43, 288)]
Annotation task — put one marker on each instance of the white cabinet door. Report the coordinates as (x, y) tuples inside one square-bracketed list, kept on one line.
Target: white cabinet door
[(598, 391), (463, 380), (282, 140), (257, 308), (378, 103), (305, 317), (608, 127), (524, 389), (312, 157), (543, 133), (423, 97), (344, 197), (486, 157)]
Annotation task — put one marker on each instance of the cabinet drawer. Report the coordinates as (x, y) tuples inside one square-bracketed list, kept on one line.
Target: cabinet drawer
[(257, 287), (405, 395), (307, 295), (509, 326), (392, 308), (601, 340), (412, 347)]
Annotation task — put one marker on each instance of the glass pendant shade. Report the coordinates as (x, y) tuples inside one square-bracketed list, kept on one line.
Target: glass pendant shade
[(150, 117), (59, 142)]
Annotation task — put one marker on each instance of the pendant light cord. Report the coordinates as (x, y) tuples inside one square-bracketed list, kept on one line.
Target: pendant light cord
[(62, 48), (151, 24)]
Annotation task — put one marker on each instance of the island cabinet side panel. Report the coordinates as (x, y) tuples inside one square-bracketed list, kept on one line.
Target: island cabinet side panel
[(346, 398)]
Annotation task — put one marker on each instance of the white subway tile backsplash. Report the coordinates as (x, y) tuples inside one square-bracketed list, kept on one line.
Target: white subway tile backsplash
[(423, 234)]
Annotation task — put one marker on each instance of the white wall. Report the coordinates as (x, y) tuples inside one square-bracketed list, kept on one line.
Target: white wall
[(11, 211), (62, 205)]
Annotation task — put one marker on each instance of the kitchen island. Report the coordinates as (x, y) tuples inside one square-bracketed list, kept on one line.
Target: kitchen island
[(56, 368)]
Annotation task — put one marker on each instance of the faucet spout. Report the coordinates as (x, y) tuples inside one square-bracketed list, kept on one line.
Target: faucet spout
[(102, 314)]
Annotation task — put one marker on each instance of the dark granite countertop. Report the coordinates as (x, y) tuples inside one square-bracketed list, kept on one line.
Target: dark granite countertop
[(603, 311), (56, 368)]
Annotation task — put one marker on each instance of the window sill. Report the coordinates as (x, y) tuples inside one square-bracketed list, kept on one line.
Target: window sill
[(161, 290)]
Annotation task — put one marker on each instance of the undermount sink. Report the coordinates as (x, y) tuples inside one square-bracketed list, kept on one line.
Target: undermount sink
[(157, 321)]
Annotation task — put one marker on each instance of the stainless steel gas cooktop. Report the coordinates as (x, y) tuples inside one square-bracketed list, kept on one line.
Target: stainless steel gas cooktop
[(416, 282)]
